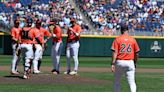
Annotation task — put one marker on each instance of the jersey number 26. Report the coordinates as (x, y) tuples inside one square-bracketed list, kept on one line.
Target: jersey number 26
[(126, 48)]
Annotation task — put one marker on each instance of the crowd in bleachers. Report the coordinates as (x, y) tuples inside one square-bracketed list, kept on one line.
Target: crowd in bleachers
[(140, 15), (45, 10), (105, 15)]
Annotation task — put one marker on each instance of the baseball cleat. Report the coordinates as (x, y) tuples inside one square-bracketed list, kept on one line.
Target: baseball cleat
[(54, 71), (73, 73), (15, 72), (25, 76), (67, 72), (37, 72)]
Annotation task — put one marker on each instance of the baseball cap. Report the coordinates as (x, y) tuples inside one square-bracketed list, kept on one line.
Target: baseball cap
[(38, 21), (29, 20), (16, 21)]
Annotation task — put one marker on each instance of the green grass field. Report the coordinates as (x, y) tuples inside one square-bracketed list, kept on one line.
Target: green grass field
[(146, 82)]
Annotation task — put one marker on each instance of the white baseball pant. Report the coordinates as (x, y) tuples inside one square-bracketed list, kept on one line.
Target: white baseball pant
[(37, 56), (16, 58), (72, 50), (55, 54), (27, 52), (127, 67)]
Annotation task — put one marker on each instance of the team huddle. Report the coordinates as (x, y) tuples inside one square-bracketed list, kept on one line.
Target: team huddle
[(29, 42)]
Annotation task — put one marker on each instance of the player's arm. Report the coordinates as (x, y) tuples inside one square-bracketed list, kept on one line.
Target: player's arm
[(53, 32), (48, 34), (136, 55), (14, 39), (19, 38), (77, 33), (79, 29), (58, 32), (114, 57), (13, 34), (136, 52), (114, 49)]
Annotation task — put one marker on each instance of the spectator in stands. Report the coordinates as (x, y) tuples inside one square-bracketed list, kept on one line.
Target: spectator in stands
[(147, 12)]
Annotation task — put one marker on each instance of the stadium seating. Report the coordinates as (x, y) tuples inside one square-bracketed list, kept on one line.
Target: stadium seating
[(149, 25), (106, 9)]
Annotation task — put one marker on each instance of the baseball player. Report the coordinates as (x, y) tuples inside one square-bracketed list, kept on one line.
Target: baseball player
[(15, 46), (72, 47), (125, 53), (57, 47), (27, 47), (39, 41)]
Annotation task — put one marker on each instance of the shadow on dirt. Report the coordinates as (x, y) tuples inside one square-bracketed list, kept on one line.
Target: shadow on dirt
[(14, 76)]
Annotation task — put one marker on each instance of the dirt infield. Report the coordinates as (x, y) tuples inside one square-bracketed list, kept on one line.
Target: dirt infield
[(91, 69), (47, 77)]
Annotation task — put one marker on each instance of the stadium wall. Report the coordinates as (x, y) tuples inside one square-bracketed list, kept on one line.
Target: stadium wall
[(91, 45)]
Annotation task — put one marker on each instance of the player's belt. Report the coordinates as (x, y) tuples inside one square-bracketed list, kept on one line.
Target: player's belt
[(14, 42), (26, 43), (72, 41), (124, 59)]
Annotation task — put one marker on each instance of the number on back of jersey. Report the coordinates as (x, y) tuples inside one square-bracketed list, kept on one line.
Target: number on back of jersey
[(126, 48), (25, 34)]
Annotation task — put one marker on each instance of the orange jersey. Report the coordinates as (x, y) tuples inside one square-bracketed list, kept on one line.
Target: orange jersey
[(36, 35), (71, 34), (15, 33), (26, 35), (39, 34), (125, 46), (58, 32), (44, 32)]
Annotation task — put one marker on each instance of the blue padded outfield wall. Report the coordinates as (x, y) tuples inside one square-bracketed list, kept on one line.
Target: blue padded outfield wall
[(98, 46)]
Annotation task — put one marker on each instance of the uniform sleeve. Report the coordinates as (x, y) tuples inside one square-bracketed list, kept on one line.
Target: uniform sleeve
[(32, 34), (79, 29), (12, 32), (47, 33), (58, 34), (114, 46), (136, 47)]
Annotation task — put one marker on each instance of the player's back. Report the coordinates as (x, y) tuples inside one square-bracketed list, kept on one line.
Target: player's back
[(127, 46), (26, 37)]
